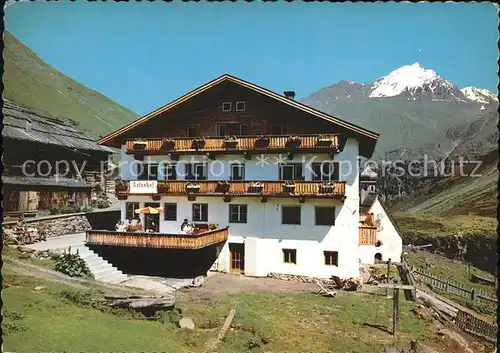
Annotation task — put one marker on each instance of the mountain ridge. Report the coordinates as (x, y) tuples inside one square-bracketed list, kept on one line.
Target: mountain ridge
[(414, 109), (31, 82)]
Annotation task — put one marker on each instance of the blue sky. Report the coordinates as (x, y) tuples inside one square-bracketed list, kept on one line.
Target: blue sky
[(143, 55)]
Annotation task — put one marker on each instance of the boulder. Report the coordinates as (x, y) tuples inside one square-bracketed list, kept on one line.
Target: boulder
[(186, 322)]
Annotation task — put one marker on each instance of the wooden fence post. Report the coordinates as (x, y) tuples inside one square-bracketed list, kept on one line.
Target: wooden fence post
[(388, 273), (473, 294), (395, 312), (414, 346)]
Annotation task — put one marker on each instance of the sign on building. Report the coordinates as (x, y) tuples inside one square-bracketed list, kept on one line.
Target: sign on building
[(143, 187)]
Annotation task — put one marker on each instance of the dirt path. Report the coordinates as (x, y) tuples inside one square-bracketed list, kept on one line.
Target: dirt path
[(224, 283)]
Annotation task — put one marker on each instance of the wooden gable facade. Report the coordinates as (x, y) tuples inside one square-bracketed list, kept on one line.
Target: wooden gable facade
[(230, 106)]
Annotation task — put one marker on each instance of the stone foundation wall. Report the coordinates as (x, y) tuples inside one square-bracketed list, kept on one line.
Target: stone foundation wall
[(295, 278), (58, 226)]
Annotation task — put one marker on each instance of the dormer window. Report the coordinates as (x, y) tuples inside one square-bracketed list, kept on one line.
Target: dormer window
[(226, 106), (240, 106)]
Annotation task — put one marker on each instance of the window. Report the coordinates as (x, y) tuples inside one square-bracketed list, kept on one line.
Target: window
[(331, 258), (240, 106), (230, 129), (200, 212), (153, 171), (325, 216), (325, 171), (291, 171), (221, 130), (237, 171), (147, 171), (290, 215), (226, 106), (290, 256), (238, 213), (277, 129), (169, 172), (170, 212), (196, 171), (130, 210), (192, 131)]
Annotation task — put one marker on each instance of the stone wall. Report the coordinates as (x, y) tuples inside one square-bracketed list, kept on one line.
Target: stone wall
[(56, 226)]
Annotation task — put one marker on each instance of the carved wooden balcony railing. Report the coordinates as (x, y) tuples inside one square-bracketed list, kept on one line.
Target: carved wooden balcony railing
[(242, 188), (179, 145), (367, 235), (157, 240)]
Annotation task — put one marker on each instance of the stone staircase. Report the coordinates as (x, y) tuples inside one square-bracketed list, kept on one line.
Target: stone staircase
[(102, 270)]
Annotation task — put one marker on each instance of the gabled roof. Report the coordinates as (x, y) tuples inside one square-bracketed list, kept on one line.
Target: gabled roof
[(228, 78), (23, 124)]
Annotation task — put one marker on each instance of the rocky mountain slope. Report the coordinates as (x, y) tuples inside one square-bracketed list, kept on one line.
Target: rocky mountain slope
[(32, 83), (416, 111)]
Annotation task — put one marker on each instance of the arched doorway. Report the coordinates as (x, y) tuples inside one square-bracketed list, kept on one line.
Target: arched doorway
[(378, 257)]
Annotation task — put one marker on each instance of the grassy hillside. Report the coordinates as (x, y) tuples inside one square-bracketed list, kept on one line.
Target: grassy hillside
[(458, 195), (31, 82)]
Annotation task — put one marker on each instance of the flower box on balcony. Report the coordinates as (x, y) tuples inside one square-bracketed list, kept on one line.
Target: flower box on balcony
[(121, 186), (324, 140), (223, 186), (293, 142), (213, 226), (192, 187), (256, 188), (167, 144), (289, 187), (139, 145), (230, 141), (262, 141), (198, 143), (327, 188), (162, 188)]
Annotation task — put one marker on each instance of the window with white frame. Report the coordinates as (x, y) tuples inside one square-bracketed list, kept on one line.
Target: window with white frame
[(196, 171), (169, 171), (237, 171), (147, 171), (291, 171), (226, 106), (325, 171), (130, 208), (200, 212), (240, 106), (238, 213)]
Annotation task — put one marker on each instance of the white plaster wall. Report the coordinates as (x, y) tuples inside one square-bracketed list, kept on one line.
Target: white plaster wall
[(264, 235), (392, 244)]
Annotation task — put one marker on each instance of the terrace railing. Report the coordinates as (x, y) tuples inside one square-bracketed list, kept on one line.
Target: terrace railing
[(156, 240)]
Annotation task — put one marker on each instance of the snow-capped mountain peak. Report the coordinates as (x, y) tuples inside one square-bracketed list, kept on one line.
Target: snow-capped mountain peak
[(414, 81), (479, 95)]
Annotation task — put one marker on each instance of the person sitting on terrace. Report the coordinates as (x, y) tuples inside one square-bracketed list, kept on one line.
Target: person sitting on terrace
[(184, 224), (138, 226), (119, 226)]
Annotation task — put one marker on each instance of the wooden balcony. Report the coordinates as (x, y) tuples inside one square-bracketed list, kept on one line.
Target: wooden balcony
[(183, 145), (157, 240), (316, 189), (367, 235)]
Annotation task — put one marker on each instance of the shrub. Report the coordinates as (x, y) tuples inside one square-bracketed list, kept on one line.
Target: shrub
[(73, 265), (80, 298)]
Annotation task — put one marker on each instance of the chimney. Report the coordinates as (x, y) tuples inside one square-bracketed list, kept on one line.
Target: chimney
[(289, 94)]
